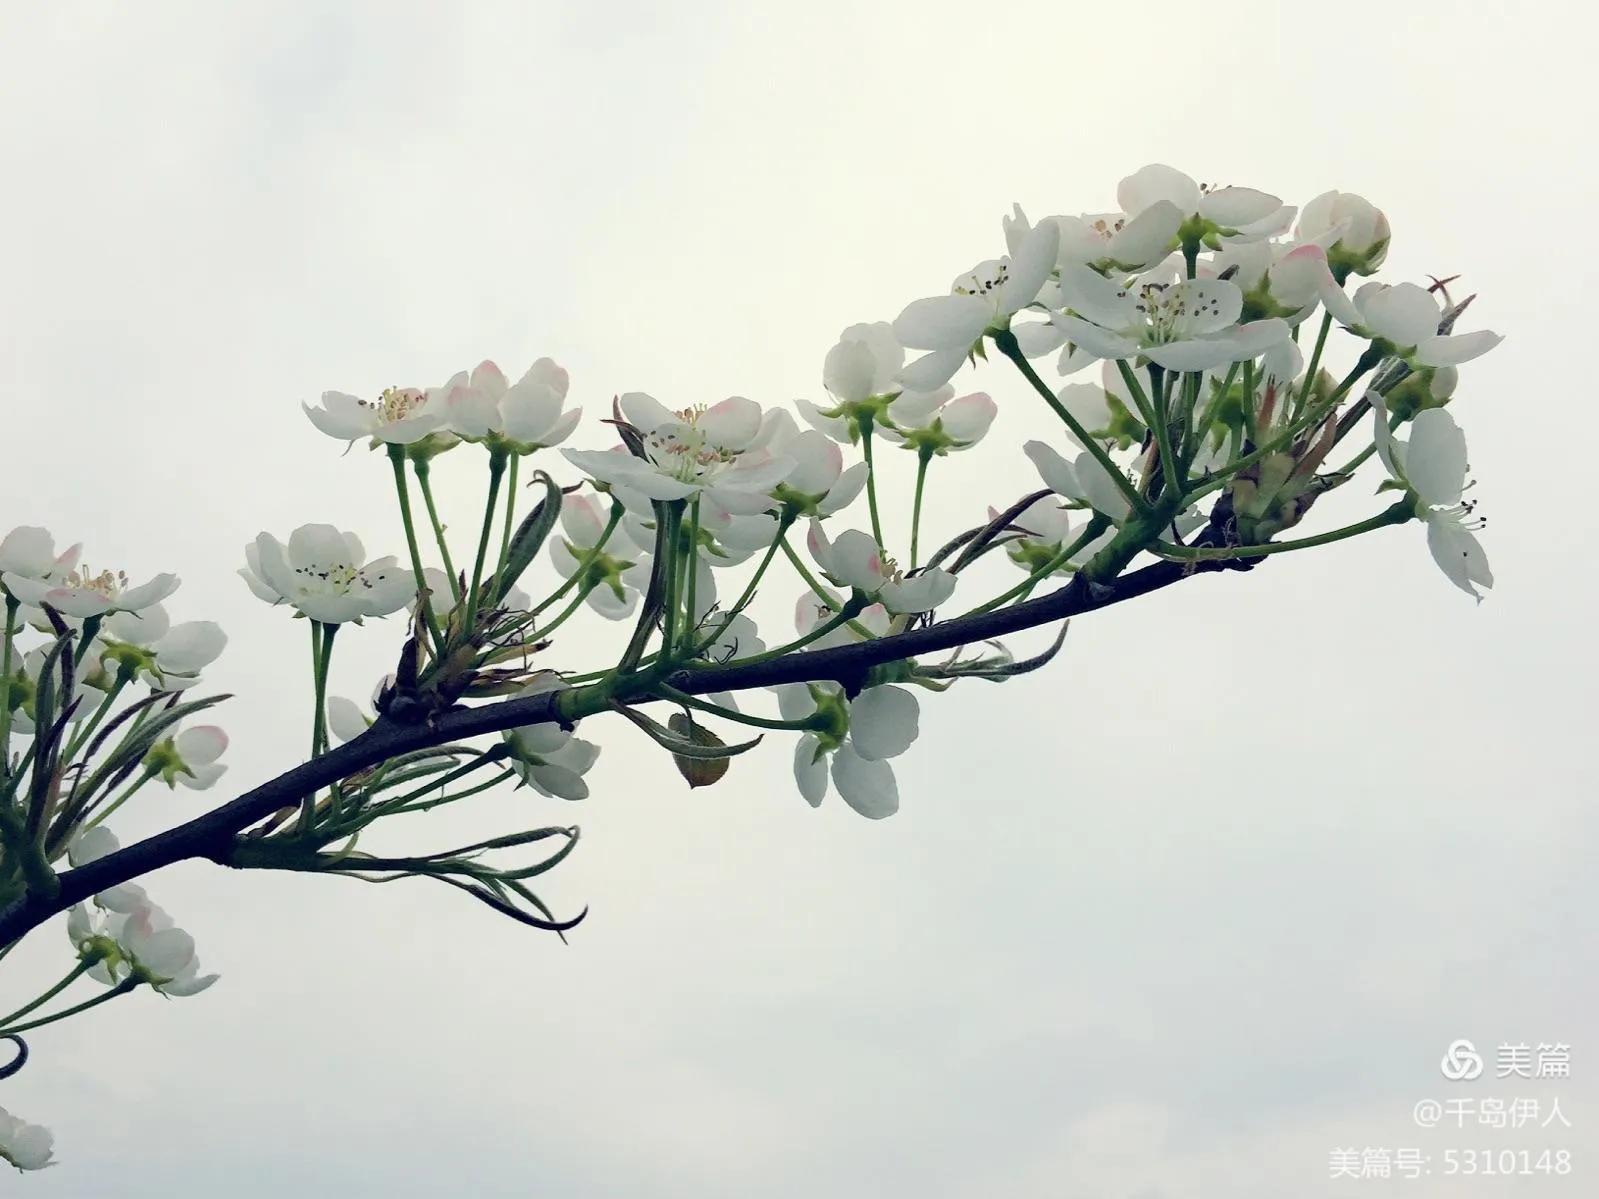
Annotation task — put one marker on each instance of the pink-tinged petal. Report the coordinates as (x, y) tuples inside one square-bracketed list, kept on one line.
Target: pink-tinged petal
[(919, 593), (1455, 349), (489, 379), (732, 424), (818, 461), (867, 786), (953, 322), (546, 372), (932, 371), (645, 412), (581, 518), (1151, 184)]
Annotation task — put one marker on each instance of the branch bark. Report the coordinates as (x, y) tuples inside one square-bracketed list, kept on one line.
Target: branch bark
[(211, 836)]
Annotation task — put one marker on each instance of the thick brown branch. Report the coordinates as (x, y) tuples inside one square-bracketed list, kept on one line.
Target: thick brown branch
[(209, 836)]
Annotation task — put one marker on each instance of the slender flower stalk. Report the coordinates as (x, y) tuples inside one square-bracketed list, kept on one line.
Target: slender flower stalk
[(424, 475)]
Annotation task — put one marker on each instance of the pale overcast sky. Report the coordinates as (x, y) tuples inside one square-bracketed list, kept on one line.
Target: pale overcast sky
[(1170, 920)]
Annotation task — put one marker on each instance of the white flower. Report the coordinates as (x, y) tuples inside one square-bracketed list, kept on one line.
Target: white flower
[(177, 653), (865, 363), (1353, 230), (812, 610), (320, 574), (161, 954), (980, 302), (1187, 326), (26, 1146), (400, 416), (818, 482), (736, 637), (614, 581), (1085, 480), (853, 560), (1235, 212), (937, 422), (699, 451), (346, 721), (527, 415), (881, 723), (28, 552), (1432, 465), (1406, 316), (81, 594), (195, 751), (1107, 412), (1116, 242)]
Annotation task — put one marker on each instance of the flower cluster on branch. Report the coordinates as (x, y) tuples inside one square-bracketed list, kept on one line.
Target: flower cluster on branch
[(1210, 364)]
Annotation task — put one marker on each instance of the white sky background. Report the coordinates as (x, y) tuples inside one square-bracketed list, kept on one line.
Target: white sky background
[(1172, 918)]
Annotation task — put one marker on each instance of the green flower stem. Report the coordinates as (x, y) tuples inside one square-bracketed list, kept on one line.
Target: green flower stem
[(924, 456), (1249, 401), (560, 617), (1007, 345), (322, 657), (510, 514), (871, 481), (1146, 410), (397, 457), (691, 573), (672, 544), (122, 988), (87, 731), (61, 986), (490, 510), (1161, 384), (1097, 525), (758, 722), (783, 523), (819, 590), (1398, 514), (587, 560), (1315, 362), (423, 477), (12, 604)]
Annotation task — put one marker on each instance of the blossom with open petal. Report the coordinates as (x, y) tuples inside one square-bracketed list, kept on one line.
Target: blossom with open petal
[(28, 552), (936, 423), (699, 451), (1186, 326), (190, 758), (1084, 479), (878, 724), (819, 483), (1406, 316), (160, 953), (811, 610), (521, 417), (400, 416), (612, 580), (169, 657), (320, 573), (1432, 466), (26, 1146), (1233, 212), (1045, 528), (78, 593), (981, 301), (546, 756), (853, 560)]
